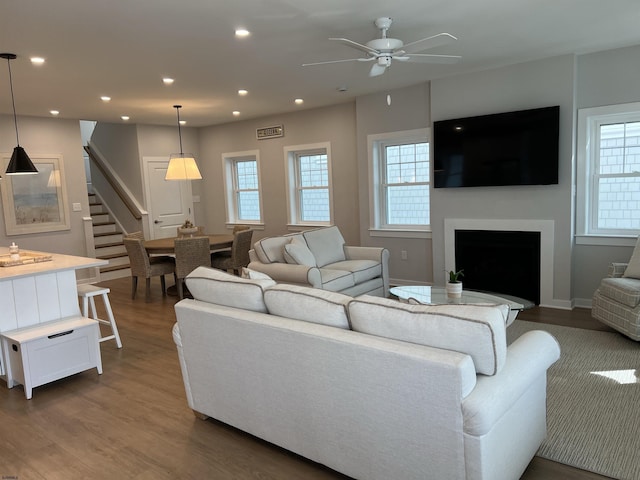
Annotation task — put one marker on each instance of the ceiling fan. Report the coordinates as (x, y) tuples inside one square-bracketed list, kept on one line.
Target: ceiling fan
[(382, 50)]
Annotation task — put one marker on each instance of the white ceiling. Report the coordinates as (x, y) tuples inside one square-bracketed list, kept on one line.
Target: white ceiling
[(123, 48)]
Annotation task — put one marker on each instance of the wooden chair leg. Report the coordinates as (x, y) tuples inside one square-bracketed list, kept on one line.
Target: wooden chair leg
[(163, 285), (180, 287), (148, 290), (134, 287)]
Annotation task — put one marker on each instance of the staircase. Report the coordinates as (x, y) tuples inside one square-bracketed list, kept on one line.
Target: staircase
[(108, 242)]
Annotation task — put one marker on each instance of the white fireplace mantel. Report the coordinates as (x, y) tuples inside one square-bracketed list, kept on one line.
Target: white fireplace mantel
[(545, 227)]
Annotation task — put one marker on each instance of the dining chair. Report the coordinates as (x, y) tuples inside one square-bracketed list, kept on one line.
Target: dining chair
[(238, 256), (238, 228), (191, 252), (144, 266)]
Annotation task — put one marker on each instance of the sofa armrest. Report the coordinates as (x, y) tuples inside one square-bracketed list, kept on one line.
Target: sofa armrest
[(616, 269), (528, 359), (289, 273), (379, 254)]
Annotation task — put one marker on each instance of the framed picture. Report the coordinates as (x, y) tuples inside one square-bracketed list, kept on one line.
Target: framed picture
[(35, 203)]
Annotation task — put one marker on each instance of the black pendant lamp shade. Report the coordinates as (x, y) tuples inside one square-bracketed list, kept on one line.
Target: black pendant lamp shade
[(20, 163)]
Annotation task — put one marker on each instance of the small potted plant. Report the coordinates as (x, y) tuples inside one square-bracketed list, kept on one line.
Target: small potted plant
[(454, 284), (187, 228)]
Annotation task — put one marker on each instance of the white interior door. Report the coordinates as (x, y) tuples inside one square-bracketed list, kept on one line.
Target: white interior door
[(170, 203)]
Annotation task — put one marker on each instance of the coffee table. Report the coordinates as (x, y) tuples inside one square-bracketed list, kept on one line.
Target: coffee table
[(438, 296)]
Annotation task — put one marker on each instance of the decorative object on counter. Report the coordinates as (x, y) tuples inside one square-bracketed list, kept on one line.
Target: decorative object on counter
[(454, 285), (23, 258), (14, 251), (182, 166)]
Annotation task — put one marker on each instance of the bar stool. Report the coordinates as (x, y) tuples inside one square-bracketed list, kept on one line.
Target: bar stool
[(87, 292)]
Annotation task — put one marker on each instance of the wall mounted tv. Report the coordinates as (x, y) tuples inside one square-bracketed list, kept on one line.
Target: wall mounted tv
[(513, 148)]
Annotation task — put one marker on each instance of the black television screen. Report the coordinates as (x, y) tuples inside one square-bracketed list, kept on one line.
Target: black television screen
[(513, 148)]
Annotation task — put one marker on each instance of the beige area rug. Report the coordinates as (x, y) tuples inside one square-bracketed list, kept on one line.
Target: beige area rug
[(593, 401)]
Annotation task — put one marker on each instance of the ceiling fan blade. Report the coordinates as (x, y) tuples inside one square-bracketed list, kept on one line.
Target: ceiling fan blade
[(356, 45), (426, 58), (376, 70), (429, 42), (335, 61)]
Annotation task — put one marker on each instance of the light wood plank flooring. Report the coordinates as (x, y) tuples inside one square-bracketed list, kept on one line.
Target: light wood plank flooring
[(133, 421)]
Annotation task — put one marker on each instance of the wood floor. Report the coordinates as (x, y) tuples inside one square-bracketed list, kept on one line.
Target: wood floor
[(133, 421)]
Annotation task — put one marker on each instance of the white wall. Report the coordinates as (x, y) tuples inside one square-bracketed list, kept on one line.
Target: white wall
[(517, 87)]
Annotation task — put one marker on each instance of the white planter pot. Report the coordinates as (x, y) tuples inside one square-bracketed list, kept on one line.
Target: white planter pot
[(454, 290)]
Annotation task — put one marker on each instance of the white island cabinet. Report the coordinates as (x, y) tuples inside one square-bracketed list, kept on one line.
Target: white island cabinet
[(39, 292)]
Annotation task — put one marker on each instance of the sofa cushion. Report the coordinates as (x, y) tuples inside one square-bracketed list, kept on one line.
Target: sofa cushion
[(271, 249), (633, 268), (215, 286), (362, 270), (336, 280), (308, 304), (254, 274), (326, 244), (622, 290), (478, 331), (297, 252)]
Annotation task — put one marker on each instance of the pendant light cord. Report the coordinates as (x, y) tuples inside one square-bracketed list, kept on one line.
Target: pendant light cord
[(177, 107), (13, 102)]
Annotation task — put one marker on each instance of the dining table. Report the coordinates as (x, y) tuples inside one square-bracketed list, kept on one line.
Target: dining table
[(157, 246)]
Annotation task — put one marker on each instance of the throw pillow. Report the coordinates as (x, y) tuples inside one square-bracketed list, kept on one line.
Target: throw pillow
[(308, 304), (254, 274), (215, 286), (297, 252), (633, 268), (478, 331)]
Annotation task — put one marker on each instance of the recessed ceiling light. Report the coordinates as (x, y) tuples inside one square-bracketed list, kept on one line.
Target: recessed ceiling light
[(183, 122), (299, 101), (242, 32), (236, 113), (125, 117), (242, 92), (104, 98), (54, 112), (167, 81), (37, 60)]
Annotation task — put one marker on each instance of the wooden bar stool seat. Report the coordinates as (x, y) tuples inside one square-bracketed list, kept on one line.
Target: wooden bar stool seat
[(87, 293)]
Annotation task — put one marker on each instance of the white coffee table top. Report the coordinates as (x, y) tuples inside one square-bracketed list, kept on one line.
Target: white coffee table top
[(438, 296)]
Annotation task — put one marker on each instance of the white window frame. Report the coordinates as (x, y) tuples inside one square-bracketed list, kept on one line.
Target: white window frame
[(377, 193), (229, 164), (291, 154), (588, 144)]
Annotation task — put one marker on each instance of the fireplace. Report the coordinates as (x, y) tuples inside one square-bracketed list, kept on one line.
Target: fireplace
[(543, 236), (500, 261)]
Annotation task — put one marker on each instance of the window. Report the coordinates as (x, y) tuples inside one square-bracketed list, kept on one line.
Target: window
[(609, 170), (309, 184), (400, 180), (242, 187)]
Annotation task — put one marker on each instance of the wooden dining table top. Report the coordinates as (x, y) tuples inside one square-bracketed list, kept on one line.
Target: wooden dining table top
[(167, 245)]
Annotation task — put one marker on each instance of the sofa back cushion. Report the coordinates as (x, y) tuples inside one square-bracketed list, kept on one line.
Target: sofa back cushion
[(308, 304), (476, 330), (633, 267), (215, 286), (326, 244), (271, 249)]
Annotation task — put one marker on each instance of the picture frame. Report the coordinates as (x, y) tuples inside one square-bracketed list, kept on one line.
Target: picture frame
[(35, 203)]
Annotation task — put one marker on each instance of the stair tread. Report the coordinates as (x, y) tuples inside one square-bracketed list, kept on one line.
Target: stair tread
[(111, 268), (107, 233), (107, 245), (112, 255), (103, 224)]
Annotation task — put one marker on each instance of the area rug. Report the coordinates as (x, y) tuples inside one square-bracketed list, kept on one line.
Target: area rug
[(593, 401)]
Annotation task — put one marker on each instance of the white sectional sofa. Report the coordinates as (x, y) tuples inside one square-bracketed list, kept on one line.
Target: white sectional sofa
[(319, 258), (368, 386)]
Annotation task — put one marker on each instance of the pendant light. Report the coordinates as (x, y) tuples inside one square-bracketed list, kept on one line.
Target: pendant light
[(182, 166), (20, 163)]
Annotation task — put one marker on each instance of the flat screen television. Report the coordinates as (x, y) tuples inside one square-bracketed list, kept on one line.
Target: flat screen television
[(513, 148)]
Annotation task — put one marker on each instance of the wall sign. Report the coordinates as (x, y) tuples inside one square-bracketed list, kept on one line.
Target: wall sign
[(270, 132)]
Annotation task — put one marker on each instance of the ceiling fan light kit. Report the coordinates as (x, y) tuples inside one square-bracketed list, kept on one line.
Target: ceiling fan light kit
[(384, 49)]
